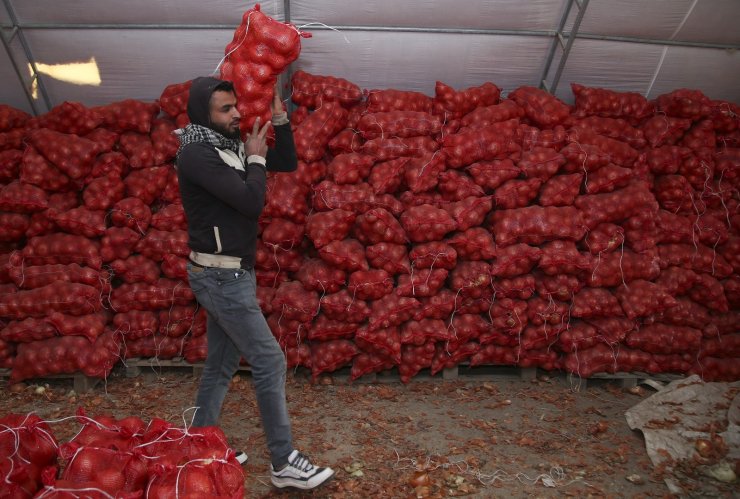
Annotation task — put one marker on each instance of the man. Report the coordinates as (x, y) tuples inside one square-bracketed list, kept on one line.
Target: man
[(222, 185)]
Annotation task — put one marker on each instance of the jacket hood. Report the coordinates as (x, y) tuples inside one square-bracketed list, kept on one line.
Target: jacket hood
[(200, 96)]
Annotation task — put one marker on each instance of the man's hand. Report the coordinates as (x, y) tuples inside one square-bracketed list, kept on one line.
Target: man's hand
[(276, 106), (256, 142)]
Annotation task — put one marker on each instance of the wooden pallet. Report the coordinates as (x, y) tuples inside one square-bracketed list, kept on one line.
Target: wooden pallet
[(460, 372), (81, 383), (625, 380), (153, 366)]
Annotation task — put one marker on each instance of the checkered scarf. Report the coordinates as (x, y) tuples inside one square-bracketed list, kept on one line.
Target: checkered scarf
[(198, 133)]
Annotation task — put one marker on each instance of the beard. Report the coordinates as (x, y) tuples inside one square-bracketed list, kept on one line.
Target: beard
[(229, 133)]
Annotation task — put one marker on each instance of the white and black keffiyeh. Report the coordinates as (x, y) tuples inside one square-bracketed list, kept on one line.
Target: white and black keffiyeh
[(198, 133)]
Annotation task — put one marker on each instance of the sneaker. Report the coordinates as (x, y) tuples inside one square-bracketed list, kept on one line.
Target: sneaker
[(241, 457), (300, 473)]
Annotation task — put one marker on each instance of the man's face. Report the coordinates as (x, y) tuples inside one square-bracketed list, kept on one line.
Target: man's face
[(224, 115)]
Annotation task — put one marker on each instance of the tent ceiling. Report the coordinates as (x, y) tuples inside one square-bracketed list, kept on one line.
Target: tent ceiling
[(645, 46)]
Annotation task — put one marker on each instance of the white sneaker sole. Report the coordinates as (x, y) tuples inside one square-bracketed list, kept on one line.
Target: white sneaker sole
[(282, 483)]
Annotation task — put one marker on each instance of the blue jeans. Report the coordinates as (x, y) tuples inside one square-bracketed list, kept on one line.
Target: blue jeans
[(236, 328)]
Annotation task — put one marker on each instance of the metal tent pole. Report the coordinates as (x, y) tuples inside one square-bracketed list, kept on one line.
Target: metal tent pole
[(288, 75), (565, 44), (6, 44), (27, 50)]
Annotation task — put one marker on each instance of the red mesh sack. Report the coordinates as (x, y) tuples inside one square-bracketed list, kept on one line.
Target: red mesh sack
[(176, 321), (387, 148), (118, 243), (579, 336), (515, 260), (615, 128), (164, 141), (36, 170), (23, 198), (14, 226), (623, 267), (471, 278), (684, 103), (491, 354), (295, 302), (426, 223), (298, 356), (103, 192), (325, 227), (27, 445), (27, 330), (136, 324), (604, 238), (541, 163), (223, 478), (615, 206), (170, 218), (386, 177), (343, 306), (592, 101), (393, 258), (174, 98), (273, 257), (422, 172), (72, 155), (486, 115), (516, 193), (132, 213), (175, 267), (665, 339), (347, 255), (377, 226), (147, 184), (540, 107), (487, 143), (62, 248), (350, 168), (12, 139), (285, 198), (81, 221), (595, 302), (260, 50), (10, 164), (110, 163), (617, 152), (666, 160), (391, 310), (38, 276), (138, 148), (559, 286), (452, 104), (420, 332), (328, 356), (727, 346), (144, 296), (562, 257), (520, 287), (384, 341), (367, 363), (414, 358), (696, 257), (677, 280), (642, 298), (397, 100), (438, 306), (661, 130), (104, 138), (157, 243), (329, 196), (536, 225), (312, 90), (675, 194), (136, 268), (421, 283), (317, 275), (348, 140), (607, 179), (313, 135), (533, 138), (129, 115), (11, 118), (370, 284), (398, 124), (583, 158), (108, 470), (324, 329), (492, 174), (709, 292), (309, 174), (473, 244), (714, 369)]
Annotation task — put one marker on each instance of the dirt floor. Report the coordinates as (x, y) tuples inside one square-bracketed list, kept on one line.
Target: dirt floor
[(485, 434)]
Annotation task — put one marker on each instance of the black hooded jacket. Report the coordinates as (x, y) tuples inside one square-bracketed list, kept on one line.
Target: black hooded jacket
[(222, 200)]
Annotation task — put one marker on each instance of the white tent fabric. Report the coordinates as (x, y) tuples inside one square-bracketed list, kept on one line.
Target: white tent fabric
[(141, 46)]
